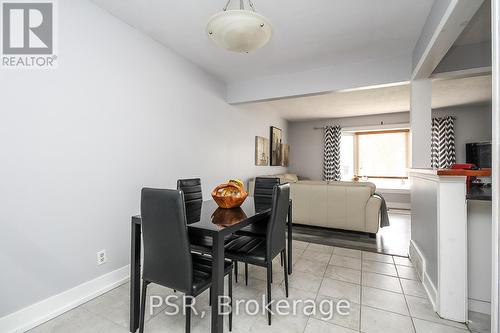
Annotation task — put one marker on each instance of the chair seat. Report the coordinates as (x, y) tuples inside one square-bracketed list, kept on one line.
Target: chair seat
[(254, 230), (247, 249), (203, 243), (202, 272)]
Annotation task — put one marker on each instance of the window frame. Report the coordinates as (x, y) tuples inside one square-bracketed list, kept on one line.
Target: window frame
[(375, 132)]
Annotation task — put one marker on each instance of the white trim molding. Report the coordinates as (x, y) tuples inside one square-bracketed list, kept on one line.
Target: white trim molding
[(399, 205), (419, 262), (38, 313), (479, 306), (375, 127), (431, 291)]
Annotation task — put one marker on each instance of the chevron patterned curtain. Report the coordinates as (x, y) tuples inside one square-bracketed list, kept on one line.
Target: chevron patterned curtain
[(443, 142), (331, 161)]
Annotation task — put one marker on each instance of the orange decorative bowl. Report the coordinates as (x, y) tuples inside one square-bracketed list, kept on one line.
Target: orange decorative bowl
[(229, 195)]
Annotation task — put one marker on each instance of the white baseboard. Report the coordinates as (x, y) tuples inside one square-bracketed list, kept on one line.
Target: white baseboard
[(431, 290), (38, 313), (479, 306), (418, 260), (399, 205)]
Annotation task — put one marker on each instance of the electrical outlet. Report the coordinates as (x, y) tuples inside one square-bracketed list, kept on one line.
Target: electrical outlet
[(101, 257)]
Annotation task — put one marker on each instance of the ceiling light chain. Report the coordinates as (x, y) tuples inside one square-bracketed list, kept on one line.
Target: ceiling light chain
[(242, 5), (250, 3)]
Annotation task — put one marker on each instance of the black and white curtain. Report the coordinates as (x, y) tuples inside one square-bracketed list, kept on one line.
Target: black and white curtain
[(331, 161), (443, 142)]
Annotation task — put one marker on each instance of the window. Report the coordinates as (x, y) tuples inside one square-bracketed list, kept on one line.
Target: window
[(347, 156), (381, 154)]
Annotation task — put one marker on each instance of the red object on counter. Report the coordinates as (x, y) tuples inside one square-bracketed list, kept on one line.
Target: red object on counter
[(465, 166)]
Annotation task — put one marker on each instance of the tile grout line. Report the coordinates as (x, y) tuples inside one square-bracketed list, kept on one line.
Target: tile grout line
[(317, 292), (406, 300), (361, 294), (411, 316)]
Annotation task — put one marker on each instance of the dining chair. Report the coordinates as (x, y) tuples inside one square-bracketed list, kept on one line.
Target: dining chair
[(168, 260), (262, 251), (193, 197), (263, 197), (193, 201), (263, 191)]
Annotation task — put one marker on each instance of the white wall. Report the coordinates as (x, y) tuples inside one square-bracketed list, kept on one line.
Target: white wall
[(78, 143), (463, 57), (472, 124), (424, 216)]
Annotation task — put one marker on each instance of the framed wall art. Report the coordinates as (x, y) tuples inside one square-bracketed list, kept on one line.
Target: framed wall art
[(261, 151), (276, 138)]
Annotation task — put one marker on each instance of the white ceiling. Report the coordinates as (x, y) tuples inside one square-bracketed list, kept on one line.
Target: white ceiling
[(446, 93), (308, 34), (478, 30)]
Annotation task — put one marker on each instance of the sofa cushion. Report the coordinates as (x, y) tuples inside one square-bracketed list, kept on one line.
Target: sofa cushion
[(340, 205), (372, 186), (312, 182), (291, 177)]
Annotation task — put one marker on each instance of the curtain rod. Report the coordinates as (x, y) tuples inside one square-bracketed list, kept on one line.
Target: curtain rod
[(381, 124)]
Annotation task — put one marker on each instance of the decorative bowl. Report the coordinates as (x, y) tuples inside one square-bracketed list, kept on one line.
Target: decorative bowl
[(229, 195)]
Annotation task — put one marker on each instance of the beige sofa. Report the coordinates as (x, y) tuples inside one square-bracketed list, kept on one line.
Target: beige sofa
[(339, 205)]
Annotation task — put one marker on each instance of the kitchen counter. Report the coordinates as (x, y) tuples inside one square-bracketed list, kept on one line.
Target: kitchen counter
[(479, 193), (464, 172)]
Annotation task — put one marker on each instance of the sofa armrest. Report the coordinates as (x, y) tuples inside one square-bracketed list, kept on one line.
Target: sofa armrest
[(372, 212)]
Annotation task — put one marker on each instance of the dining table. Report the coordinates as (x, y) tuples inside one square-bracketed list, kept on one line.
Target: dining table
[(207, 220)]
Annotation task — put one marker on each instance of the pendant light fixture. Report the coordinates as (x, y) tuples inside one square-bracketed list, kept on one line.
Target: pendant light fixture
[(239, 30)]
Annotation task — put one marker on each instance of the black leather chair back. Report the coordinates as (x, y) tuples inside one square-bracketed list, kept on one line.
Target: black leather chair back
[(193, 197), (167, 256), (277, 223), (263, 192)]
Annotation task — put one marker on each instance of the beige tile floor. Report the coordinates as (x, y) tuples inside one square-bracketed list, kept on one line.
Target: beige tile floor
[(384, 292)]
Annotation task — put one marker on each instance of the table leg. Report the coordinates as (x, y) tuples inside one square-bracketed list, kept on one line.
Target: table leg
[(217, 288), (135, 276), (290, 238)]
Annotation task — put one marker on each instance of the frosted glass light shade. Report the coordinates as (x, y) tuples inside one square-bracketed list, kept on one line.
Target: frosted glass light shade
[(239, 30)]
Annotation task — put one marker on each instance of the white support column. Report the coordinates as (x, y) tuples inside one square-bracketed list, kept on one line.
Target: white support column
[(420, 123)]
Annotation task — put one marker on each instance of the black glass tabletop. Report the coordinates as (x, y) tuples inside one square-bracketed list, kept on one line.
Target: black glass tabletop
[(207, 216)]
